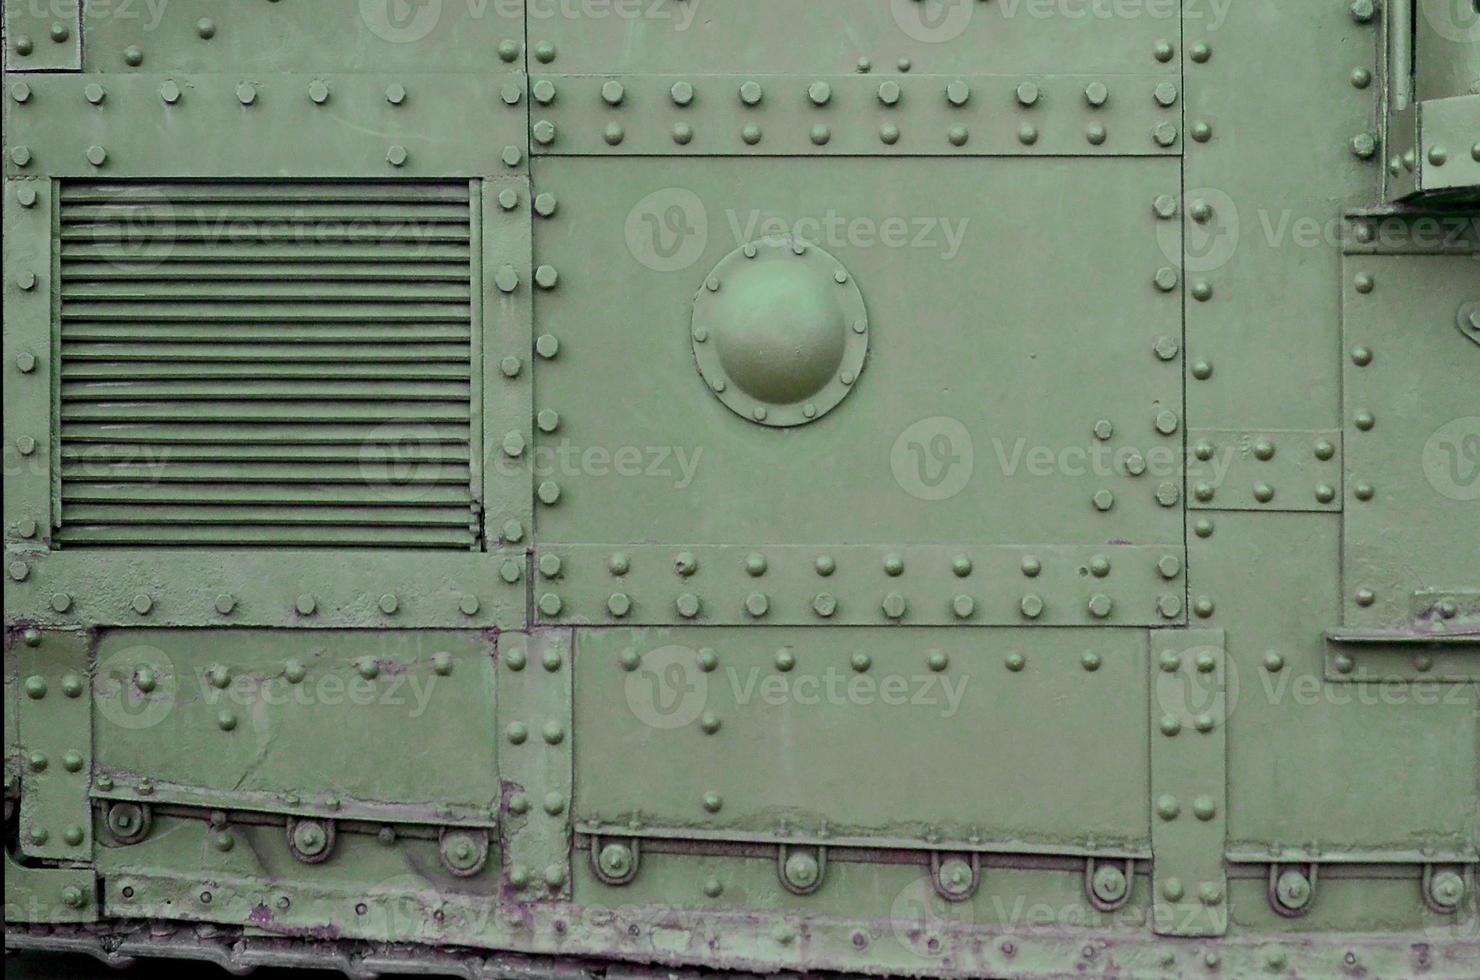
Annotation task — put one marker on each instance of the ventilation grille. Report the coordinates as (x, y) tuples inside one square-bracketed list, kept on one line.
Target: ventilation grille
[(266, 364)]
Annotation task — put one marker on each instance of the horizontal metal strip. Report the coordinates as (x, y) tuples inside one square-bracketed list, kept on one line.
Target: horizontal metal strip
[(287, 494), (450, 515), (298, 536), (296, 432), (162, 254), (318, 291), (251, 313), (398, 473), (308, 389), (411, 452), (131, 208), (149, 270), (262, 191), (268, 334), (399, 412), (76, 355), (136, 371), (150, 236)]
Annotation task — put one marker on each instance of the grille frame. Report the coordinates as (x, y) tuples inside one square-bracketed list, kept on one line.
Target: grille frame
[(341, 411)]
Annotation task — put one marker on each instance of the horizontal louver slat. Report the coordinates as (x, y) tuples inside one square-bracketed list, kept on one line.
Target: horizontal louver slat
[(266, 364)]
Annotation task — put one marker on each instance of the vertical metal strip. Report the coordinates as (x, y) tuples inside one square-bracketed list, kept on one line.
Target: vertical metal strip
[(534, 697), (508, 389), (476, 367), (1189, 782), (1400, 53)]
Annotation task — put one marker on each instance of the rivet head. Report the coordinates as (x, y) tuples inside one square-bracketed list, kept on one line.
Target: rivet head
[(205, 28), (713, 802), (133, 56), (544, 52), (318, 92)]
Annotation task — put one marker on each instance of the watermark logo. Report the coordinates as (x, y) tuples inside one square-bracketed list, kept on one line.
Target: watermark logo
[(1453, 20), (933, 459), (668, 230), (835, 231), (1451, 459), (1195, 684), (401, 21), (668, 689), (919, 915), (137, 687), (932, 21), (135, 229), (1209, 238), (405, 461)]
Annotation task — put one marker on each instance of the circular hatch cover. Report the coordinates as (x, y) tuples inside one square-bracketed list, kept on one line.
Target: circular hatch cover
[(779, 331)]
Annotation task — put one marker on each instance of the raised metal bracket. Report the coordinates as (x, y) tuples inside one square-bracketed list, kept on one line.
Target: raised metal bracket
[(615, 862), (801, 869), (956, 877), (1108, 885), (1444, 888), (1291, 889)]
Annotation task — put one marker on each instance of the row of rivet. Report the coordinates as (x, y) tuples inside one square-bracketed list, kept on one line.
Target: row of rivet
[(1364, 421), (1264, 450), (544, 133), (894, 605), (306, 604), (247, 94), (957, 93), (685, 564)]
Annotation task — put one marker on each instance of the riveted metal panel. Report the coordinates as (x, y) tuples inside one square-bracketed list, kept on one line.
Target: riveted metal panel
[(231, 125), (948, 424), (850, 115), (1019, 327), (447, 36), (775, 37), (536, 678), (43, 36), (279, 721), (673, 723), (1413, 444), (55, 743), (257, 587), (28, 367), (1189, 783)]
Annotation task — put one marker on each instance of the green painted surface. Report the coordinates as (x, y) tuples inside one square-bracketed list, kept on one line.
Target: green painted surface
[(916, 488)]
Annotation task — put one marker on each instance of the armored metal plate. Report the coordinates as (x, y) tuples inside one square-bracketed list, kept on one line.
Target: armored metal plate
[(949, 420), (55, 744), (231, 125), (1189, 784), (1412, 444), (283, 721), (436, 430), (43, 36), (674, 722), (774, 37)]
